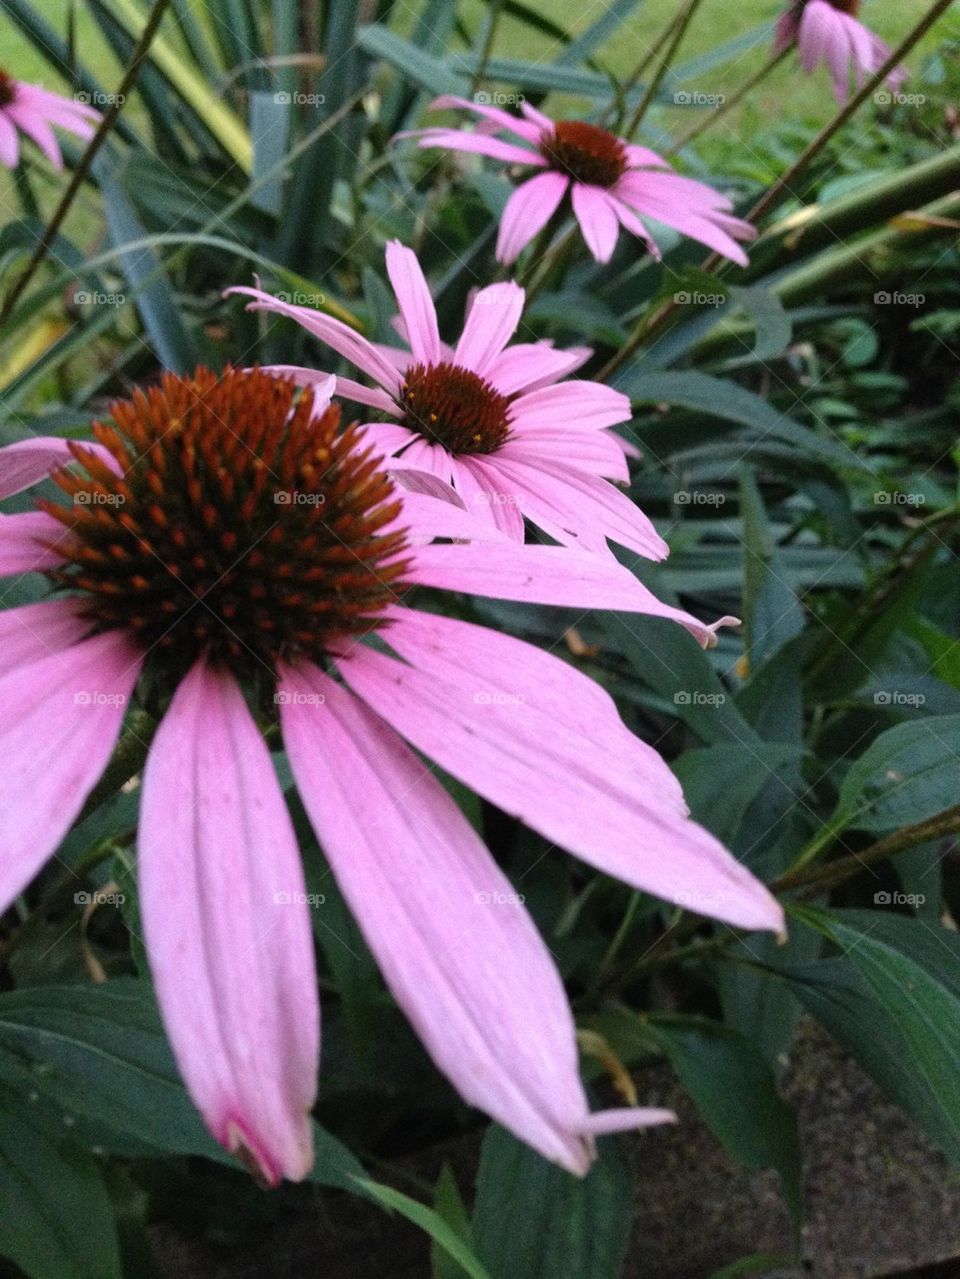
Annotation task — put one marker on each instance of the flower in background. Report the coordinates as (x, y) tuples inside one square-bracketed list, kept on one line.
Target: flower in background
[(491, 419), (32, 110), (828, 31), (238, 546), (610, 182)]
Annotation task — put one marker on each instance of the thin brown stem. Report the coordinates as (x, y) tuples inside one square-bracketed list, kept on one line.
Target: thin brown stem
[(679, 31), (728, 104)]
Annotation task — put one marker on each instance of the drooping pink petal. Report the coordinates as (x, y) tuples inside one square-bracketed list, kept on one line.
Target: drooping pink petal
[(454, 944), (514, 124), (25, 462), (478, 483), (527, 212), (675, 202), (60, 716), (584, 405), (34, 631), (478, 144), (227, 927), (388, 437), (644, 158), (576, 508), (35, 126), (496, 730), (421, 455), (416, 305), (490, 324), (526, 366), (326, 385), (597, 219), (28, 543), (558, 575), (9, 142), (543, 122), (785, 31), (599, 452), (347, 342)]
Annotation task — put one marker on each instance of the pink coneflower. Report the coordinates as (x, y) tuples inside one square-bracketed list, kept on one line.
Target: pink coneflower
[(609, 180), (33, 110), (492, 420), (828, 31), (236, 549)]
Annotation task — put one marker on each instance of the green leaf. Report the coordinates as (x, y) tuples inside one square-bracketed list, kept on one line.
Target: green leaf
[(721, 782), (431, 74), (58, 1220), (772, 612), (449, 1204), (908, 774), (893, 999), (532, 1220), (726, 399), (771, 322), (735, 1092), (99, 1055), (429, 1221)]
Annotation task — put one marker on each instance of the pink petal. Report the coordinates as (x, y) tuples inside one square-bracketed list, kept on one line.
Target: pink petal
[(576, 508), (28, 543), (786, 30), (557, 575), (478, 144), (450, 102), (38, 630), (490, 324), (584, 405), (387, 437), (37, 129), (416, 305), (9, 141), (527, 212), (60, 716), (525, 366), (352, 345), (543, 122), (597, 219), (326, 385), (227, 927), (479, 485), (455, 946), (421, 455), (598, 452), (28, 461), (562, 766), (644, 158)]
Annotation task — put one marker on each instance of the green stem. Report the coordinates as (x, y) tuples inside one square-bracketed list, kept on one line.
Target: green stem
[(126, 762), (488, 36), (130, 76)]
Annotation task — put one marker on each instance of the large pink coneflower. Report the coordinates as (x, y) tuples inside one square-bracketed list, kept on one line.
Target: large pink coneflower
[(829, 31), (493, 420), (28, 109), (610, 183), (231, 550)]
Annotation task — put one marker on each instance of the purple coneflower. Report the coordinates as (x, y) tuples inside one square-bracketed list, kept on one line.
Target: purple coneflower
[(829, 31), (28, 109)]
